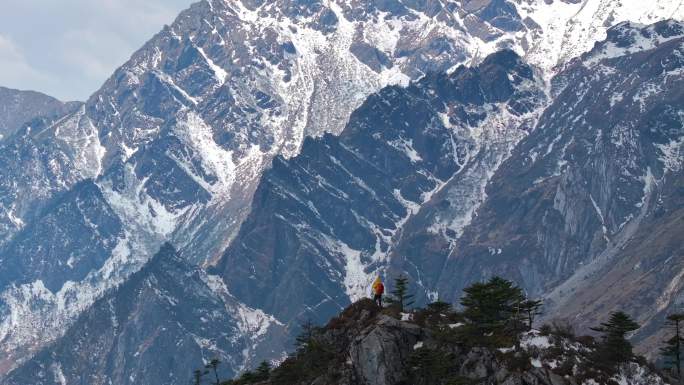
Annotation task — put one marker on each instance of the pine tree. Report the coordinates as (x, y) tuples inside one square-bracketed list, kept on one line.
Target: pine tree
[(306, 336), (439, 307), (531, 309), (615, 348), (247, 377), (263, 371), (313, 351), (492, 306), (213, 365), (400, 292), (672, 351), (517, 321), (429, 366)]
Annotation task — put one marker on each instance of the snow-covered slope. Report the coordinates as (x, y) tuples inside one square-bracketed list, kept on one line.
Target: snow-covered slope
[(598, 171), (559, 30), (167, 320), (585, 211)]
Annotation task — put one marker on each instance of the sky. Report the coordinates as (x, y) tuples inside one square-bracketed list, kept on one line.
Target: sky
[(68, 48)]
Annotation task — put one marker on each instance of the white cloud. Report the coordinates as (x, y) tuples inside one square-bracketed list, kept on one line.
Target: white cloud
[(68, 48)]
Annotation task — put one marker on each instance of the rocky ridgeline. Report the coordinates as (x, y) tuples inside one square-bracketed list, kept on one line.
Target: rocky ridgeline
[(366, 345), (20, 107)]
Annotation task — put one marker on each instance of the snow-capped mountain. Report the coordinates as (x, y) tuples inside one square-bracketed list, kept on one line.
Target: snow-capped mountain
[(17, 109), (178, 137), (136, 333), (398, 129), (568, 212), (594, 183), (324, 223), (173, 146)]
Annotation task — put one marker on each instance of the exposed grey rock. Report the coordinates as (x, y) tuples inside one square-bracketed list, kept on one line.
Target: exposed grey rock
[(379, 355), (371, 56), (166, 321), (20, 107), (178, 138), (391, 352), (477, 364), (545, 210), (568, 207)]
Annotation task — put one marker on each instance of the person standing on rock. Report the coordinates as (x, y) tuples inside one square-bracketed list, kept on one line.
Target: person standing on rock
[(378, 290)]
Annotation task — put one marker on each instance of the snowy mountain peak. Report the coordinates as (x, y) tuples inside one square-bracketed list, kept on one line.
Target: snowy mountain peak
[(560, 30)]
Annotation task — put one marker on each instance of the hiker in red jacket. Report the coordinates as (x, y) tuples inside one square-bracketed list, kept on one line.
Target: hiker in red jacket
[(378, 290)]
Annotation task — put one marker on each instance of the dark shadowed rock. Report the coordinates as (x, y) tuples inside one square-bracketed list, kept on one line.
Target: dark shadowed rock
[(380, 353), (176, 142)]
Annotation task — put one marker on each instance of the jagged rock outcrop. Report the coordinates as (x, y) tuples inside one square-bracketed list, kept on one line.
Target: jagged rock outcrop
[(601, 165), (368, 346), (177, 139), (25, 172), (178, 136), (567, 213), (156, 328), (379, 355)]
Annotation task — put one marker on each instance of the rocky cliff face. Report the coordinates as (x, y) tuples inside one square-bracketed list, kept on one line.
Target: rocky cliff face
[(155, 328), (324, 222), (24, 173), (178, 137), (599, 172), (602, 158), (375, 348)]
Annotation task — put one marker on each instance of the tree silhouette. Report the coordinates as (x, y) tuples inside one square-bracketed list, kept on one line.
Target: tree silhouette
[(312, 350), (306, 335), (672, 351), (531, 309), (615, 348), (197, 376), (492, 306), (400, 292), (439, 307), (263, 371)]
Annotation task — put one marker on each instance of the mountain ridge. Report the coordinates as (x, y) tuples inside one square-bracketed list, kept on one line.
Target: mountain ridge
[(178, 138), (167, 309), (20, 107)]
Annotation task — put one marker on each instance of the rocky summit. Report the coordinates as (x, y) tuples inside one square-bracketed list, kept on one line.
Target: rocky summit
[(289, 151), (366, 345)]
